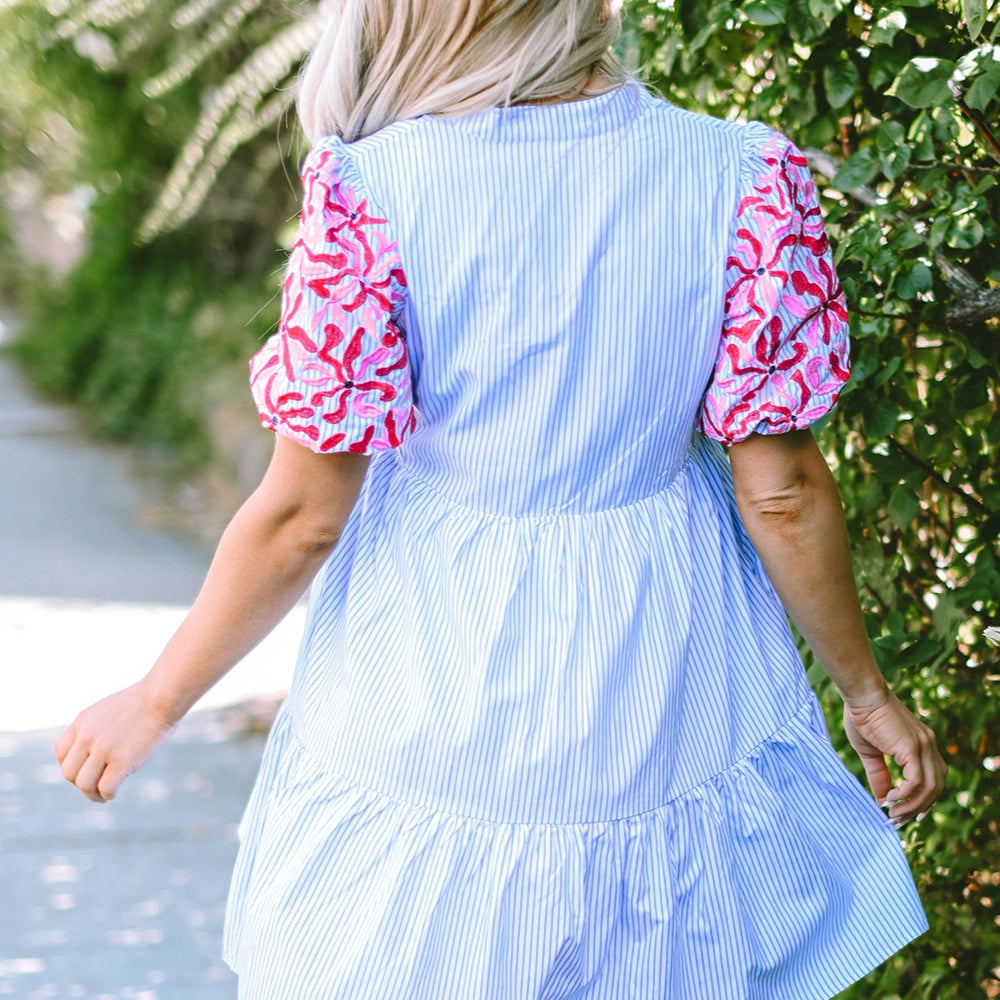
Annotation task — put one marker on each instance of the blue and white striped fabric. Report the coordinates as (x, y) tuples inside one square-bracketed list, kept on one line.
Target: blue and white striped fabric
[(549, 736)]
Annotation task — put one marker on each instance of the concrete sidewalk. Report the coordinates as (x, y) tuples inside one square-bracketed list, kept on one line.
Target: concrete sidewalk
[(124, 900), (89, 591)]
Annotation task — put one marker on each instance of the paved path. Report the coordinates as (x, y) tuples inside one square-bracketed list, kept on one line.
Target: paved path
[(125, 900), (88, 593), (69, 512)]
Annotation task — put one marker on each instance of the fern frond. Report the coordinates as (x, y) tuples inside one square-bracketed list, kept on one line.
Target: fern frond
[(194, 11), (218, 36), (99, 14), (243, 126), (182, 39), (231, 119)]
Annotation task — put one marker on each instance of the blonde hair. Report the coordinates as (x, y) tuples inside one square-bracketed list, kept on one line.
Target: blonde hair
[(380, 61)]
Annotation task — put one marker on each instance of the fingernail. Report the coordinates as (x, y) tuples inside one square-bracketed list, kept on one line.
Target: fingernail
[(921, 816), (887, 804)]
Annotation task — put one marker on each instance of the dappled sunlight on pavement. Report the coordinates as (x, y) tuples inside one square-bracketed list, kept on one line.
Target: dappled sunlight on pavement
[(123, 900)]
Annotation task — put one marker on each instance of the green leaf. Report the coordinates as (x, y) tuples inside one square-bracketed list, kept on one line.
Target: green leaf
[(886, 28), (881, 420), (923, 82), (946, 616), (803, 25), (826, 10), (976, 359), (903, 506), (983, 89), (921, 136), (895, 623), (820, 132), (974, 15), (886, 373), (895, 162), (906, 237), (885, 65), (966, 232), (918, 279), (840, 81), (765, 12), (916, 653), (864, 367), (894, 152), (857, 169), (890, 134)]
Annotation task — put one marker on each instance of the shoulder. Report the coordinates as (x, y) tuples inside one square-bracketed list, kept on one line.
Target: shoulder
[(389, 135), (349, 168), (694, 129), (389, 160), (766, 151), (748, 146), (756, 144), (333, 154)]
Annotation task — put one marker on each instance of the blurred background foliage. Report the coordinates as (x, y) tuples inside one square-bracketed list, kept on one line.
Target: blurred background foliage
[(166, 128)]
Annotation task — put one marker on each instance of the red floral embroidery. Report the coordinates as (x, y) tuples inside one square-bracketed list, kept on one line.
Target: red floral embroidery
[(784, 353), (335, 376)]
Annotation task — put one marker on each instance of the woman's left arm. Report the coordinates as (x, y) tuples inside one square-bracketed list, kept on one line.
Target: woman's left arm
[(265, 560)]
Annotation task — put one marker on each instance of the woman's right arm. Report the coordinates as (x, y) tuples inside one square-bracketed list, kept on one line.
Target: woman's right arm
[(792, 512)]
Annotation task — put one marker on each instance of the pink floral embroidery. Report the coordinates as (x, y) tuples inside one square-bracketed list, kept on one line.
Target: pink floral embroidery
[(784, 353), (335, 377)]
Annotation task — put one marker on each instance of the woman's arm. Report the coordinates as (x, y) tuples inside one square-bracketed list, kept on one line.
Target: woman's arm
[(266, 558), (792, 512)]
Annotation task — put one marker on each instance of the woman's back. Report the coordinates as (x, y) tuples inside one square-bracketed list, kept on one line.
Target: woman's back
[(565, 270), (544, 643)]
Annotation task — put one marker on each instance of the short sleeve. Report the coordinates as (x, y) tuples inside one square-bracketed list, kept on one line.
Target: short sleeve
[(783, 354), (336, 377)]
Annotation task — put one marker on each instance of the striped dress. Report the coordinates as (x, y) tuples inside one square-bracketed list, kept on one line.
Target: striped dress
[(549, 736)]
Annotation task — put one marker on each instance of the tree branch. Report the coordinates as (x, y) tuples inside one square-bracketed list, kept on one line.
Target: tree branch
[(977, 121), (968, 168), (974, 307), (933, 473), (974, 302)]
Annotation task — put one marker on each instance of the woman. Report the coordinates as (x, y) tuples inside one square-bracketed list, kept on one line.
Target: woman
[(549, 735)]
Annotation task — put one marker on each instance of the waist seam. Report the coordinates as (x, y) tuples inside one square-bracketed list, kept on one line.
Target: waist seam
[(547, 516)]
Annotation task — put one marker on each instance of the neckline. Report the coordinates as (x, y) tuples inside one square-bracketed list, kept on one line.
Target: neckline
[(605, 112)]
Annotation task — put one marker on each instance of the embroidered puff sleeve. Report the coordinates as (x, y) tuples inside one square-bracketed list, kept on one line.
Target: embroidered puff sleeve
[(783, 355), (335, 377)]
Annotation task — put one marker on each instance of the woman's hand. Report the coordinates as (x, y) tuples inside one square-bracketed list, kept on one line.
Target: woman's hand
[(881, 726), (110, 740)]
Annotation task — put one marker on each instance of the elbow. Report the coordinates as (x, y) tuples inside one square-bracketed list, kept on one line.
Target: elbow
[(782, 482), (783, 507), (313, 534), (318, 540), (310, 531)]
